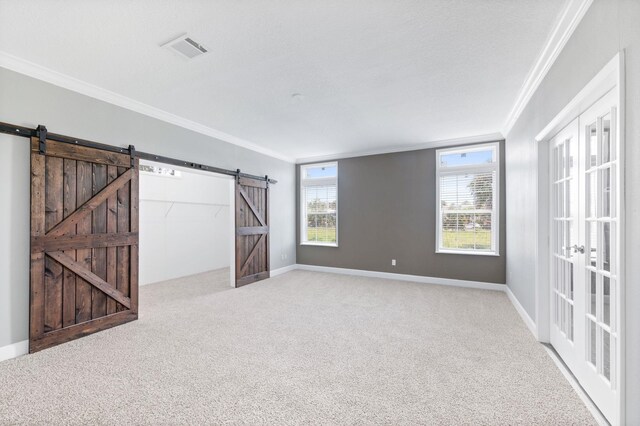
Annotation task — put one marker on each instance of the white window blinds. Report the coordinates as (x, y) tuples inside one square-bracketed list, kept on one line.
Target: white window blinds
[(467, 199), (319, 204)]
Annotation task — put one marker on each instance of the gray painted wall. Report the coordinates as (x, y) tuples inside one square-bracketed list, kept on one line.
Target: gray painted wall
[(28, 102), (608, 26), (387, 210)]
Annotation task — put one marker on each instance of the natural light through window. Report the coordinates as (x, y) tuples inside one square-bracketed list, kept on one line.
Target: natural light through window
[(468, 194), (319, 204)]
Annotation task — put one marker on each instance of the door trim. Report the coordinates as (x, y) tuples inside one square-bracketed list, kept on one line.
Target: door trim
[(231, 185), (610, 77)]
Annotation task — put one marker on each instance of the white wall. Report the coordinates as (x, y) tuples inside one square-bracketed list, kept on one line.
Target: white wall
[(184, 225), (15, 187), (608, 27)]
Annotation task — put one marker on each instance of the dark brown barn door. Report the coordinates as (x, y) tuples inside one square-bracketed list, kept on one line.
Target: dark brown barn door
[(84, 242), (252, 231)]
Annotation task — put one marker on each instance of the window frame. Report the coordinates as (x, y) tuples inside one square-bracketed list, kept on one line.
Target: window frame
[(304, 182), (473, 168)]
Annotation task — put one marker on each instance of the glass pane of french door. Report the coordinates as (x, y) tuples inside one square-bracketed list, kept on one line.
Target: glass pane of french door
[(564, 226), (600, 221)]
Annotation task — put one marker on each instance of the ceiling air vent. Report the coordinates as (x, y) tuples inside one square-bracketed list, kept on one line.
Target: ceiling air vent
[(186, 47)]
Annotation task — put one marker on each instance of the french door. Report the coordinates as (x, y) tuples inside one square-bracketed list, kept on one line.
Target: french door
[(585, 239)]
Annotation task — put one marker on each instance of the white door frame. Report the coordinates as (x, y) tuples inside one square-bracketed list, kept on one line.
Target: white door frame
[(232, 210), (232, 234), (610, 77)]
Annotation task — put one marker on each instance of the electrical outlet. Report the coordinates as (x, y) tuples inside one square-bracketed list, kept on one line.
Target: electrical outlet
[(393, 262)]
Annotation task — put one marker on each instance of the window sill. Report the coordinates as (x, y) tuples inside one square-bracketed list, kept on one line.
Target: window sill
[(472, 253), (320, 244)]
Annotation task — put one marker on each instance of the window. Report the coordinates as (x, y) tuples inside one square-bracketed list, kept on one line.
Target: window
[(319, 204), (468, 194)]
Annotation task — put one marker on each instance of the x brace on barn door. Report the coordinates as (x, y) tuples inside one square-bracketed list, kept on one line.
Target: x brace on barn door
[(252, 231), (84, 241), (42, 134)]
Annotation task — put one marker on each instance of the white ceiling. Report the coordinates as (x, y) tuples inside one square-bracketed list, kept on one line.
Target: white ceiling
[(373, 74)]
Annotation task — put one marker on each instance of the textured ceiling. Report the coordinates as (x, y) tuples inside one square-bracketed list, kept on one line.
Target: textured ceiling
[(372, 74)]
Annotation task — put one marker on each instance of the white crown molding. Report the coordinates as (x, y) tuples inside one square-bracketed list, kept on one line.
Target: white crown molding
[(609, 77), (490, 137), (56, 78), (571, 16), (14, 350)]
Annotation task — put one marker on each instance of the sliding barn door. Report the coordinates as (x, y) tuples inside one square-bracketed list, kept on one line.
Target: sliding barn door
[(84, 242), (252, 231)]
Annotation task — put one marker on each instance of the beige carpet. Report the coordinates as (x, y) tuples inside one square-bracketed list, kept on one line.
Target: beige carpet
[(301, 348)]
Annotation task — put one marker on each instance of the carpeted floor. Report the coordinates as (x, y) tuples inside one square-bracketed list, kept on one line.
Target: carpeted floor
[(301, 348)]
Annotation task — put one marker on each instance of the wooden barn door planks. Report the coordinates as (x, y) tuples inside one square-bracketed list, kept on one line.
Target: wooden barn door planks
[(84, 242), (252, 231)]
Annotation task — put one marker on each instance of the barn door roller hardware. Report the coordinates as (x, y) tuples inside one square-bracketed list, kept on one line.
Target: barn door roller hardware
[(42, 134), (132, 154)]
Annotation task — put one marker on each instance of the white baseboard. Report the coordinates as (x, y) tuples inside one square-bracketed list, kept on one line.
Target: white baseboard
[(404, 277), (283, 270), (14, 350), (591, 406), (523, 314)]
